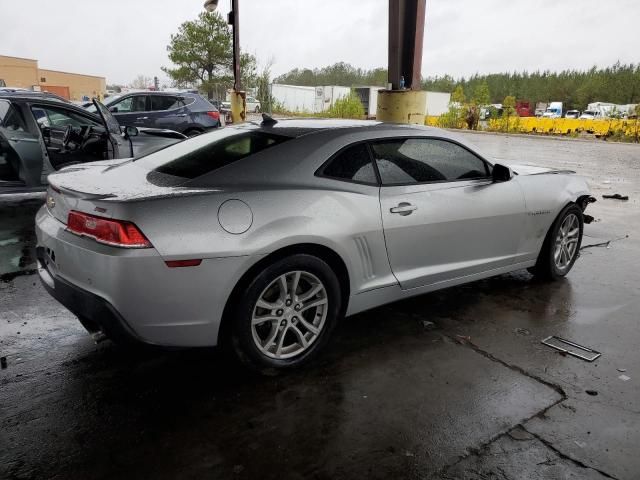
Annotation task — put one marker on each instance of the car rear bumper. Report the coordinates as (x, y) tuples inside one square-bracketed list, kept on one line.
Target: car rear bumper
[(132, 294), (97, 315)]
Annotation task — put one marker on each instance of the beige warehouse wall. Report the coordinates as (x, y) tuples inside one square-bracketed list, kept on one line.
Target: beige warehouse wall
[(79, 85), (19, 72)]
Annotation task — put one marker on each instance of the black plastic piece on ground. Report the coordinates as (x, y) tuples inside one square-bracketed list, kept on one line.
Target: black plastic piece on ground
[(616, 196)]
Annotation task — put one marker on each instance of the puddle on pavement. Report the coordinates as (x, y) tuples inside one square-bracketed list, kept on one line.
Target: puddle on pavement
[(17, 234)]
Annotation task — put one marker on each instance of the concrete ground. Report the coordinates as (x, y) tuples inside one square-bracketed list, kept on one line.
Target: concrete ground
[(476, 397)]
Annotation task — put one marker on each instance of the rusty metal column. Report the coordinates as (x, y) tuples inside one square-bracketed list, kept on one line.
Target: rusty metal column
[(406, 34)]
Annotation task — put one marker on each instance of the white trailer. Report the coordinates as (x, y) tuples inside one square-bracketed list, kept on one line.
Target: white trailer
[(437, 103), (369, 98), (296, 98)]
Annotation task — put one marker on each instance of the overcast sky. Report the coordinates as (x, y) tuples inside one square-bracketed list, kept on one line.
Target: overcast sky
[(120, 39)]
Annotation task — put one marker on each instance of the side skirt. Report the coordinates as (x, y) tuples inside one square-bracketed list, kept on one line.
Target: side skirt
[(392, 293)]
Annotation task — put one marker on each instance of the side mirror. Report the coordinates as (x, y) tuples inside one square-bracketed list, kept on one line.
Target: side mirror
[(501, 173), (130, 131), (113, 109)]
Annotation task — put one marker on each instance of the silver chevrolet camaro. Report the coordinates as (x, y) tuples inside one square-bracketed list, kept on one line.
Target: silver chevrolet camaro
[(261, 236)]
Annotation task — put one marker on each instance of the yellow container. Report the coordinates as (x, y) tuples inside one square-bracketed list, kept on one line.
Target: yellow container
[(402, 106)]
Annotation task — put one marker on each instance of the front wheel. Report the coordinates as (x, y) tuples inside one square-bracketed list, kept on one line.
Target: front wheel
[(561, 246), (287, 313)]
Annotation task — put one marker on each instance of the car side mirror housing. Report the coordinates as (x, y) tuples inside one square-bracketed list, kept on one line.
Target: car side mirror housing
[(130, 131), (113, 109), (501, 173)]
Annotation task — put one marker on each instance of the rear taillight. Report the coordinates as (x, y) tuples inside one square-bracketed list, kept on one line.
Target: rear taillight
[(214, 115), (117, 233)]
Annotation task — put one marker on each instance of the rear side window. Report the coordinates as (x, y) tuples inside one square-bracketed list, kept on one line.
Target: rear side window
[(219, 154), (162, 102), (351, 164)]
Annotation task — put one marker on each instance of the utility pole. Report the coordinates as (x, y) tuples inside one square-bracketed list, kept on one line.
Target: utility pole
[(403, 101), (238, 97)]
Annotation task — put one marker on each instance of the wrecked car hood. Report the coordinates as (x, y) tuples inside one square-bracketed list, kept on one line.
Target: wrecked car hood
[(533, 170)]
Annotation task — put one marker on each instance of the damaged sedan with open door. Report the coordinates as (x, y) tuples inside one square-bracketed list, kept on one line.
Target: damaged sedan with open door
[(40, 135)]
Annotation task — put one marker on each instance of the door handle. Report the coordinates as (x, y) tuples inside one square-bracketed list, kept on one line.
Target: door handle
[(403, 209), (142, 118), (180, 115)]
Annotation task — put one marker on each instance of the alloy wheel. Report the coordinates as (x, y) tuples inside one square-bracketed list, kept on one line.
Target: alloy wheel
[(566, 244), (289, 315)]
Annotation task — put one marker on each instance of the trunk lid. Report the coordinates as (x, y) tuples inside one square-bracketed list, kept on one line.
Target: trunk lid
[(90, 188)]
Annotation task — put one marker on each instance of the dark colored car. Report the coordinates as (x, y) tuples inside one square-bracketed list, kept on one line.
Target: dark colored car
[(187, 113), (40, 134)]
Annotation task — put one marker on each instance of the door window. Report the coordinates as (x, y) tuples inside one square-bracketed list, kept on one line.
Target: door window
[(136, 103), (60, 118), (420, 160), (162, 102), (10, 117), (352, 164)]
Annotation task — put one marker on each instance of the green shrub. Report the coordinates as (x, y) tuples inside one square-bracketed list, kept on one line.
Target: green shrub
[(346, 107)]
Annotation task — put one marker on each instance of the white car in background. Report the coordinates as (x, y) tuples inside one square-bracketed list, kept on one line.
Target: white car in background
[(252, 104)]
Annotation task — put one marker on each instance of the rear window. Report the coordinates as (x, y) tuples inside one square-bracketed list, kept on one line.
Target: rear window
[(220, 153)]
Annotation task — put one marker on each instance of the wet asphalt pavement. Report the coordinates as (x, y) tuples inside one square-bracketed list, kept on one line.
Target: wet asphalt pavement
[(476, 397)]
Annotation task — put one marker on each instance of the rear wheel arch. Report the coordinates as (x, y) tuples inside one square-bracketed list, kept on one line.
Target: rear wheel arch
[(328, 255)]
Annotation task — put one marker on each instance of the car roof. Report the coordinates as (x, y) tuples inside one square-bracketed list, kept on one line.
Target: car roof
[(151, 92), (27, 95), (297, 127), (44, 99)]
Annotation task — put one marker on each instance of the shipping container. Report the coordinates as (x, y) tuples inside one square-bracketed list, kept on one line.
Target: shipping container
[(296, 98)]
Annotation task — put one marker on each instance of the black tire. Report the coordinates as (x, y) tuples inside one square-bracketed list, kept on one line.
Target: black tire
[(242, 334), (546, 267)]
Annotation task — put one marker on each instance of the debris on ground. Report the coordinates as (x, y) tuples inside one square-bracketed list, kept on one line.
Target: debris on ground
[(428, 325), (621, 369), (463, 338), (593, 393), (624, 378), (616, 196), (580, 444), (606, 244), (567, 347), (3, 362), (522, 331)]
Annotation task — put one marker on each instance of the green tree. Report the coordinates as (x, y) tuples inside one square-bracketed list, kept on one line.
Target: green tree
[(458, 95), (508, 109), (201, 52), (481, 94)]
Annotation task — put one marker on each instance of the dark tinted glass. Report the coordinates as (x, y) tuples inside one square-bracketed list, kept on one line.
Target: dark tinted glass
[(219, 154), (10, 117), (162, 102), (426, 160), (353, 163)]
